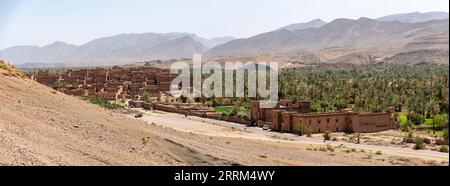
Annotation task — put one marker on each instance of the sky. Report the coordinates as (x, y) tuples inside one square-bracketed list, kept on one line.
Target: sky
[(41, 22)]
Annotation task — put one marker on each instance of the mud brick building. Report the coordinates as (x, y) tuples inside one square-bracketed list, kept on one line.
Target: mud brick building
[(110, 83), (44, 77), (295, 117)]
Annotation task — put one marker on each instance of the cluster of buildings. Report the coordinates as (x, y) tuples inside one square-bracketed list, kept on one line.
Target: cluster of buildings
[(110, 84)]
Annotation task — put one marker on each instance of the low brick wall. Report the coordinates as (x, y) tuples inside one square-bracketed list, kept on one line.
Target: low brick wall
[(165, 108), (201, 113), (214, 115), (236, 119)]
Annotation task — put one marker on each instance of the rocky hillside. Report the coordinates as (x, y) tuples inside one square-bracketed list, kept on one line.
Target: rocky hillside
[(39, 126), (363, 34), (415, 17)]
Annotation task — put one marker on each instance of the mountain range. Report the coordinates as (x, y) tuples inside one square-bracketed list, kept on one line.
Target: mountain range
[(341, 40)]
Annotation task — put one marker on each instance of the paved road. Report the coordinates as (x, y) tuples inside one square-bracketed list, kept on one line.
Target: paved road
[(213, 127)]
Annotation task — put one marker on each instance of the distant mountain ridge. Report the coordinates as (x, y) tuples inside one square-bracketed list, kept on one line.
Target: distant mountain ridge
[(415, 17), (363, 33), (122, 47), (340, 40), (301, 26)]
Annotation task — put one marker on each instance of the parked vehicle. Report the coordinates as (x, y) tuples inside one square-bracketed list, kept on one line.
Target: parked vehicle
[(138, 115), (265, 127)]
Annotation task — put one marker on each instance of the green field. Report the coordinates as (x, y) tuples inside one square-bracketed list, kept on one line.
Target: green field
[(103, 103), (402, 118), (429, 122), (224, 109)]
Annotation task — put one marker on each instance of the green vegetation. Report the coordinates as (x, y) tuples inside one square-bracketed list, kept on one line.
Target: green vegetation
[(441, 120), (241, 109), (302, 130), (402, 118), (416, 92), (103, 103), (145, 97), (443, 149), (445, 135), (327, 136), (411, 88), (145, 140), (419, 144), (358, 138), (11, 69), (227, 110), (58, 84), (7, 67)]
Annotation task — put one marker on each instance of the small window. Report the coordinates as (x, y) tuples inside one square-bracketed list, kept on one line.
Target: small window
[(328, 120), (318, 121), (337, 120)]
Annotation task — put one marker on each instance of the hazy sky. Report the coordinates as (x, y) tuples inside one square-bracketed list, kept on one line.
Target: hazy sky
[(41, 22)]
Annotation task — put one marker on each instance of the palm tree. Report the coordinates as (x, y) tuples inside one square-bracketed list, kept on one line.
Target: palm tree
[(435, 111)]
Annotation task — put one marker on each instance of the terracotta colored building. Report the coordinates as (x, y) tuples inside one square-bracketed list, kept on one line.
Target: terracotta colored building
[(293, 117)]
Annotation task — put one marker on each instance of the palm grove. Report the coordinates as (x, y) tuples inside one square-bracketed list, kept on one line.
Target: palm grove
[(418, 92)]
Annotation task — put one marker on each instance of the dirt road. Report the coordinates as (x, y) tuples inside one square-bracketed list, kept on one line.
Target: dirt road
[(212, 127)]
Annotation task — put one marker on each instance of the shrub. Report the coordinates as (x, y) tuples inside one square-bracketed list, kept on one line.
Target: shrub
[(416, 118), (326, 136), (443, 149), (330, 148), (445, 135), (145, 97), (301, 129), (410, 133), (348, 129), (145, 140), (378, 153), (183, 99), (103, 103), (420, 144), (358, 138), (441, 120), (58, 84)]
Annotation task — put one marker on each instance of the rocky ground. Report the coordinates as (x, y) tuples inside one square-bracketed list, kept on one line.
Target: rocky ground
[(40, 126)]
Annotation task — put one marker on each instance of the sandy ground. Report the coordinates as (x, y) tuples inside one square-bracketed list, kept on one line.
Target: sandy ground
[(211, 127), (40, 126)]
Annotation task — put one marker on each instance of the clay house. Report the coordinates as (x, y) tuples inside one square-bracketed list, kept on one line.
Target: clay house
[(47, 80), (151, 90), (75, 92), (291, 117)]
